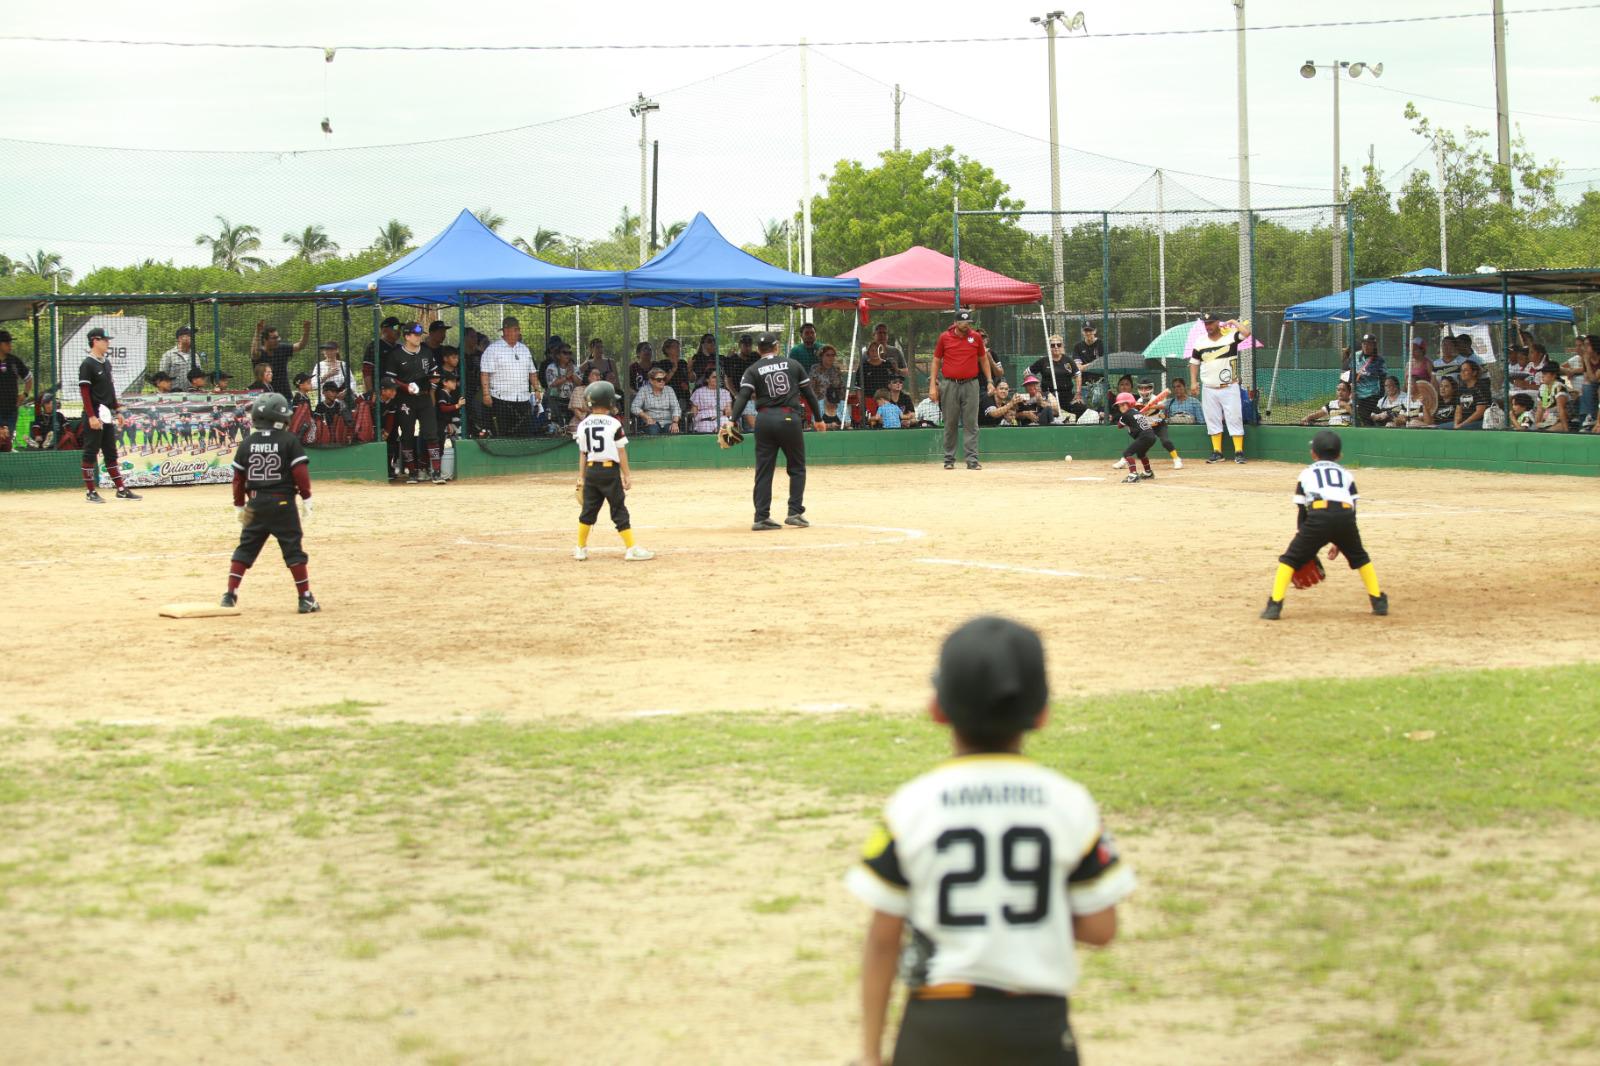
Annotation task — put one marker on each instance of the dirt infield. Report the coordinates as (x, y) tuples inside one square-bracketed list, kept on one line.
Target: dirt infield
[(463, 600)]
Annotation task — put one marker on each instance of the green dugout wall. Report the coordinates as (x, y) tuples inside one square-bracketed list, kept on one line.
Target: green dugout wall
[(1502, 452)]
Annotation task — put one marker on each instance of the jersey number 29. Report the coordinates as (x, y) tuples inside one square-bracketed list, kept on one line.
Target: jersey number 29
[(1024, 860)]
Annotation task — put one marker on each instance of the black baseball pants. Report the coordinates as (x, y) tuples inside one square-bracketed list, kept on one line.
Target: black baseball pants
[(99, 443), (512, 418), (274, 516), (1140, 446), (1336, 526), (994, 1029), (602, 483), (778, 429)]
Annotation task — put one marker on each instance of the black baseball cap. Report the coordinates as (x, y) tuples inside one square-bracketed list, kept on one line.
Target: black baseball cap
[(1209, 316), (413, 328), (328, 346), (1365, 337), (452, 376), (766, 341), (97, 334), (5, 336), (991, 681), (160, 375), (509, 321), (449, 349), (747, 338), (330, 385), (389, 381), (301, 378), (897, 377), (389, 323), (963, 316), (554, 344), (184, 329), (436, 324)]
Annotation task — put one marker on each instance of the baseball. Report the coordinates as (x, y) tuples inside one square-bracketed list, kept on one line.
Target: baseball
[(1069, 459)]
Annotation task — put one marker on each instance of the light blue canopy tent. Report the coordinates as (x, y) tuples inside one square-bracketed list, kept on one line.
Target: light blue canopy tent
[(468, 263), (1396, 301)]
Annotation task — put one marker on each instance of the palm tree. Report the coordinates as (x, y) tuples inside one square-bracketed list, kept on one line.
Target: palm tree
[(231, 248), (312, 244), (46, 266), (393, 239), (9, 266), (673, 232), (487, 216), (544, 240), (772, 232), (627, 226)]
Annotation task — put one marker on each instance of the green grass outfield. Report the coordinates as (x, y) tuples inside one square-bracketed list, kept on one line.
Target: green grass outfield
[(162, 826)]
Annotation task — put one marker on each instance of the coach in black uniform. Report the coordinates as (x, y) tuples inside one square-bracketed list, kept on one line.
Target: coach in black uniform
[(99, 392), (412, 366), (778, 384)]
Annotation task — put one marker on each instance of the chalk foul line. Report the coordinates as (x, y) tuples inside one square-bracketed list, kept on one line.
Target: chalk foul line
[(973, 564)]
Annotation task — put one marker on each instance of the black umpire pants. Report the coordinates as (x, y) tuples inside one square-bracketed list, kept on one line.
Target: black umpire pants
[(272, 516), (993, 1029), (1334, 525), (602, 483), (778, 429), (100, 442)]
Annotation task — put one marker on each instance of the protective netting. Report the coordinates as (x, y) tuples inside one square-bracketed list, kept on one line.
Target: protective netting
[(1142, 278)]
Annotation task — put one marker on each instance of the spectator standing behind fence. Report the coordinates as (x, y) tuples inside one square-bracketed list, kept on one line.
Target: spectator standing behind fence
[(711, 405), (958, 361), (330, 369), (656, 406), (826, 376), (808, 350), (644, 361), (509, 380), (266, 347), (1369, 375), (388, 343), (598, 360), (14, 377), (1586, 365), (890, 352), (1085, 352), (1421, 366), (875, 370), (178, 360), (704, 361), (676, 368), (560, 379), (1059, 377)]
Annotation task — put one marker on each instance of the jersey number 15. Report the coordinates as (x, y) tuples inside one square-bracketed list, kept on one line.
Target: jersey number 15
[(597, 439), (1024, 860)]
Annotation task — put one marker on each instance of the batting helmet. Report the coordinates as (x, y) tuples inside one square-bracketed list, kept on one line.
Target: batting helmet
[(601, 394), (1125, 397), (268, 410), (991, 681)]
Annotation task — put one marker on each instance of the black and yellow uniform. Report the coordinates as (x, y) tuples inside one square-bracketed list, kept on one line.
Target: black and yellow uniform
[(779, 386), (1325, 495)]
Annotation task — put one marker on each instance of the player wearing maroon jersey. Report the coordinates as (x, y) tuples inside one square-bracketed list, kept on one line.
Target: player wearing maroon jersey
[(270, 469)]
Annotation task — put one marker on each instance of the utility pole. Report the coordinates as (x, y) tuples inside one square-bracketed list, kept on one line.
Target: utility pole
[(899, 98), (1438, 162), (805, 165), (641, 110), (1247, 299), (1502, 104), (1049, 21), (1161, 244)]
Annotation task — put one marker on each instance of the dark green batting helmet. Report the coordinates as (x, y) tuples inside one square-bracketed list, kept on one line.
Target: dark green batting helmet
[(268, 410), (601, 394)]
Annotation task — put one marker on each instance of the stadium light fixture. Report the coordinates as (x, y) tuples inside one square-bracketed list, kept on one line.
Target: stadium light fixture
[(1309, 69)]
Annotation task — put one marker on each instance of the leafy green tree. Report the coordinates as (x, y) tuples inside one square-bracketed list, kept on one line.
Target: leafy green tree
[(393, 239), (46, 266), (232, 249), (490, 218), (311, 244), (8, 266), (627, 225)]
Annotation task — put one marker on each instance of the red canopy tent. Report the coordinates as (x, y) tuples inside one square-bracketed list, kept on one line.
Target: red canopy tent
[(921, 279)]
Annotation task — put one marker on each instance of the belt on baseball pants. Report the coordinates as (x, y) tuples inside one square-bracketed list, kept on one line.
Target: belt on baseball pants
[(605, 462), (1323, 505), (961, 990)]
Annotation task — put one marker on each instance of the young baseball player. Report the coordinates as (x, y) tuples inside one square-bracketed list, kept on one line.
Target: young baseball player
[(603, 474), (1137, 423), (1326, 497), (781, 388), (1153, 405), (996, 863), (99, 392), (270, 469)]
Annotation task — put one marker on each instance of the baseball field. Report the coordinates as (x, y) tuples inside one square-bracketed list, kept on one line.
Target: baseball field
[(497, 806)]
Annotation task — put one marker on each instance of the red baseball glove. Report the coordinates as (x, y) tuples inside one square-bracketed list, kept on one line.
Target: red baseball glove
[(1309, 574)]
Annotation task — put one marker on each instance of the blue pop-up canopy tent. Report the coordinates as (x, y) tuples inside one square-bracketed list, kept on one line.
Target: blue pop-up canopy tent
[(469, 258), (1396, 301), (702, 268)]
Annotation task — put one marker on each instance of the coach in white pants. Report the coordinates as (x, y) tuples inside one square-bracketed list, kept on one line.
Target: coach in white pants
[(1215, 362)]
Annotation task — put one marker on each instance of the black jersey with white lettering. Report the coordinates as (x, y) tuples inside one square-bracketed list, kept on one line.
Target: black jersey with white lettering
[(267, 458), (1134, 421), (776, 381), (96, 373)]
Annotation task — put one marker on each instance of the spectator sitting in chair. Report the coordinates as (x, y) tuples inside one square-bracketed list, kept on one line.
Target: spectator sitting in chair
[(885, 415), (48, 424), (1184, 409), (1555, 400), (199, 380), (1035, 407), (1473, 398), (163, 381), (1336, 412), (302, 391), (561, 380), (894, 395), (711, 405), (830, 409), (656, 407), (1444, 413), (1392, 407), (1001, 408), (1522, 412), (929, 414), (676, 368), (262, 382)]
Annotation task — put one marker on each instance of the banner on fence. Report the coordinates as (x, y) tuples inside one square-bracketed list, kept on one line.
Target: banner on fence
[(188, 438), (127, 353), (1482, 339)]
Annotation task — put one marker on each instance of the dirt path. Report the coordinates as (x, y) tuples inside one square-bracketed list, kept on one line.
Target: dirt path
[(444, 602)]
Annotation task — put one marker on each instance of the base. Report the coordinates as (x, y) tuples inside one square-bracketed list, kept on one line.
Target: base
[(197, 610)]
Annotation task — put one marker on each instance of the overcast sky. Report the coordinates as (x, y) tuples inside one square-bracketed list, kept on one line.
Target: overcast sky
[(729, 124)]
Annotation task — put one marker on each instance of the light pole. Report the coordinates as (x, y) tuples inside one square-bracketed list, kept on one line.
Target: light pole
[(1049, 21), (641, 110), (1309, 69)]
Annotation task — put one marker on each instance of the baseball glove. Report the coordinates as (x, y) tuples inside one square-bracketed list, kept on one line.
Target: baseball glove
[(1309, 574), (244, 515), (729, 435)]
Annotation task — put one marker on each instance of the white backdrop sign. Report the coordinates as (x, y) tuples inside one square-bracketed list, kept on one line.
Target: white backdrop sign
[(128, 354)]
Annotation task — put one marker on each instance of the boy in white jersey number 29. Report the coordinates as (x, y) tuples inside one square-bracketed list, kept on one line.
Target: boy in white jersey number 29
[(997, 864)]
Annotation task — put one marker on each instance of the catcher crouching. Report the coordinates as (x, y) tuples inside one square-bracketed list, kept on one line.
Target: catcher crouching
[(1326, 496)]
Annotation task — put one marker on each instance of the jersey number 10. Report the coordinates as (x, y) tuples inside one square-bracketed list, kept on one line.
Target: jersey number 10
[(1328, 477), (1035, 873)]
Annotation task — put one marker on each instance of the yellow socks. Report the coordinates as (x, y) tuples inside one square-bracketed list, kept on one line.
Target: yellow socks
[(583, 535), (627, 538), (1173, 453), (1369, 578), (1238, 446), (1280, 582), (1216, 443)]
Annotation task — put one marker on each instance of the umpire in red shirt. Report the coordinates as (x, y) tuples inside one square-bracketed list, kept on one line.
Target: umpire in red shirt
[(958, 359)]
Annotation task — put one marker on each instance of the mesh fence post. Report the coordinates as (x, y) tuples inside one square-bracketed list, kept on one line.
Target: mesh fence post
[(1105, 300), (216, 340), (1249, 313), (55, 349)]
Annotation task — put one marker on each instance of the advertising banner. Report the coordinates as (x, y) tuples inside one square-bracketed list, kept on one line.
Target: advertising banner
[(128, 351)]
